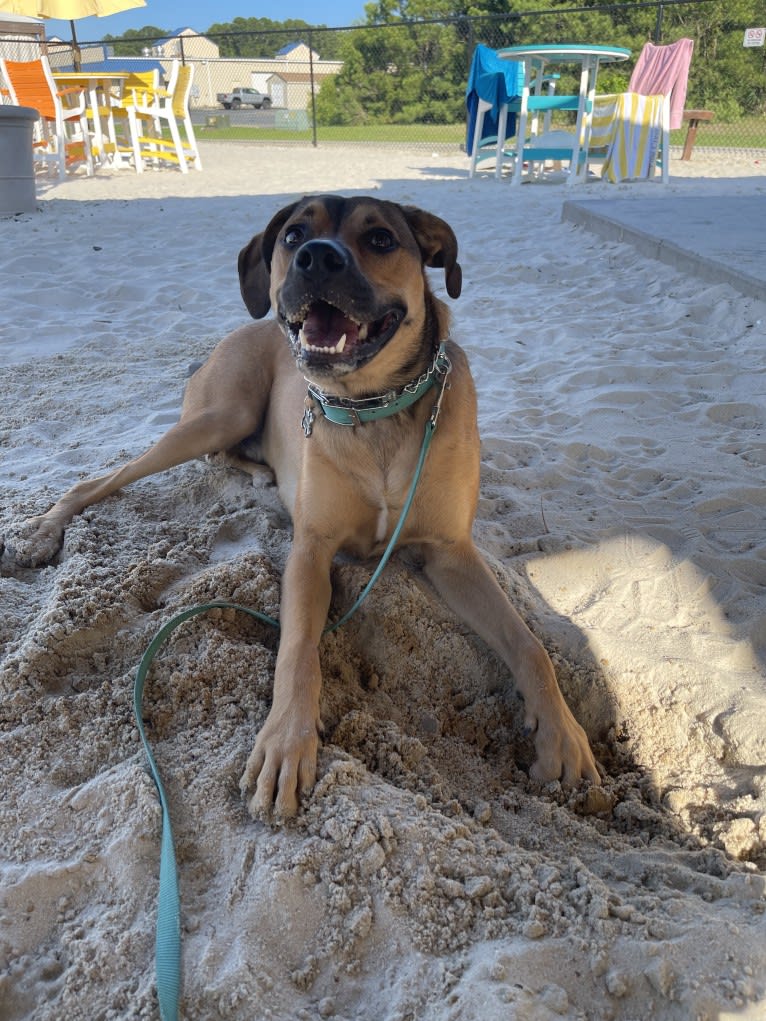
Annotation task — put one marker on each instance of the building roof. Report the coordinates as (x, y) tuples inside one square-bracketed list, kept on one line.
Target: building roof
[(22, 18), (137, 64), (290, 47), (175, 34)]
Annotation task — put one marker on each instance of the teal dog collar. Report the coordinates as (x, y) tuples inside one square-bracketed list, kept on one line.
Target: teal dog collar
[(346, 411)]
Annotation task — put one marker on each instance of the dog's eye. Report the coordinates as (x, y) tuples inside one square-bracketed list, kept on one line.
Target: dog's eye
[(294, 236), (381, 239)]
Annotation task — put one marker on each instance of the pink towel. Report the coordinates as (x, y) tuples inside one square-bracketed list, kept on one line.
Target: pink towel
[(663, 69)]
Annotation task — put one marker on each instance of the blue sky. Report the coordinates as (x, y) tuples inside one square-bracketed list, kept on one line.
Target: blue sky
[(200, 14)]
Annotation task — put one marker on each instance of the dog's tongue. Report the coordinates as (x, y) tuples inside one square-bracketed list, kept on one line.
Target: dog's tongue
[(324, 326)]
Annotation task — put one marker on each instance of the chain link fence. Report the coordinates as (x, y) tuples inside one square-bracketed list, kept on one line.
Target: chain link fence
[(404, 84)]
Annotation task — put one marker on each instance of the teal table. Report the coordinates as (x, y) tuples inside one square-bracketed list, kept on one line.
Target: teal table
[(538, 60)]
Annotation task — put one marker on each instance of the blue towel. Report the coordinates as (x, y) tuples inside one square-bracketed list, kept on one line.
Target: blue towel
[(495, 81)]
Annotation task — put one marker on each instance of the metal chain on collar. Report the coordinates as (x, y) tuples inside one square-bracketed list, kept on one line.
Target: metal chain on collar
[(357, 411), (440, 366)]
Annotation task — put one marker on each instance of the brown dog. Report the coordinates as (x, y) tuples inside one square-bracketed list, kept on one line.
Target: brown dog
[(357, 322)]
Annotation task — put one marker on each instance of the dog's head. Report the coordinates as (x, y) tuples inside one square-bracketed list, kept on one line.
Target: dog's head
[(346, 280)]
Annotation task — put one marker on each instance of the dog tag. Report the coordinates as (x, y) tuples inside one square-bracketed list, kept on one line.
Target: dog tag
[(308, 419)]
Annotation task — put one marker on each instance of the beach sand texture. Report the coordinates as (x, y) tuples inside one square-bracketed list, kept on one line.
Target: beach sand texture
[(622, 406)]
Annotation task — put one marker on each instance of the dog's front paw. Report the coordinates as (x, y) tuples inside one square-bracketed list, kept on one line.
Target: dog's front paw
[(281, 767), (563, 750), (33, 542)]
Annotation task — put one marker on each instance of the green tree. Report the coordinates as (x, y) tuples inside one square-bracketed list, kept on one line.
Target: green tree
[(243, 37), (409, 62), (262, 37), (400, 72), (338, 102), (133, 42), (725, 76)]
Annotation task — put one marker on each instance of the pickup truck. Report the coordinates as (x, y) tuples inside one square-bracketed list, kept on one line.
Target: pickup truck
[(248, 97)]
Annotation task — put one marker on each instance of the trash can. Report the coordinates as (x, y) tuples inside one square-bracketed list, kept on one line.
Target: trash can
[(17, 172)]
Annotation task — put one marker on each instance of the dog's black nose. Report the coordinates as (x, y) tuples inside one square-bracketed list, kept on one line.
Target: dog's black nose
[(321, 259)]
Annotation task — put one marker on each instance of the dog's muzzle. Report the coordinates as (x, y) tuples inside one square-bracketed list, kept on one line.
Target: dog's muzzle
[(331, 314)]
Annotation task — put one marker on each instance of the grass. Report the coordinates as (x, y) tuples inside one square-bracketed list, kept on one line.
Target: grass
[(747, 133), (401, 134)]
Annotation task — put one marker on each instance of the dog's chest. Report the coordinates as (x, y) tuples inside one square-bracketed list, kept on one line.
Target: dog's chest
[(357, 482), (372, 539), (381, 530), (384, 494)]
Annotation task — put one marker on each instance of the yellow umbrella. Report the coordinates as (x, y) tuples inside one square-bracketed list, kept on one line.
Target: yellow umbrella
[(69, 10)]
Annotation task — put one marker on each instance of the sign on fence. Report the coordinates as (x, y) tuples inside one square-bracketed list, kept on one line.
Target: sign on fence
[(754, 37)]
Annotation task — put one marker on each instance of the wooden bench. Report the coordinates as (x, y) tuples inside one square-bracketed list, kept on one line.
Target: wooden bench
[(695, 118)]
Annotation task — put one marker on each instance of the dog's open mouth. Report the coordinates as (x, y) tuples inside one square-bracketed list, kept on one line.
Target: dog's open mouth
[(324, 336)]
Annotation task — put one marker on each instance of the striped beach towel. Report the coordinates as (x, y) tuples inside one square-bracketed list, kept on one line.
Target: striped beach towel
[(629, 127)]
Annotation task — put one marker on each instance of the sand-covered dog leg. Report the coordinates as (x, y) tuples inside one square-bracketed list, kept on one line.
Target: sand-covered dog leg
[(469, 588), (282, 765)]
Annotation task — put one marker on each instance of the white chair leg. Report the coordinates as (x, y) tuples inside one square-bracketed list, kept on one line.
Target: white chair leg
[(192, 139), (665, 143), (61, 153), (134, 142), (502, 127), (178, 144), (86, 148), (477, 130)]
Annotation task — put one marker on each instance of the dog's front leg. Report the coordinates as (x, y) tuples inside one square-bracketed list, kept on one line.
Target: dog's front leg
[(282, 765), (38, 539), (469, 588)]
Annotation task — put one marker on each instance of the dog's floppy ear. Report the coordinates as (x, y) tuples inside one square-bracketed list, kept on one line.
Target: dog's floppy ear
[(254, 265), (438, 245)]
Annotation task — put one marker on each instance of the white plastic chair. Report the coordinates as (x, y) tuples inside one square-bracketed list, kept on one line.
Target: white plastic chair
[(118, 143), (153, 109)]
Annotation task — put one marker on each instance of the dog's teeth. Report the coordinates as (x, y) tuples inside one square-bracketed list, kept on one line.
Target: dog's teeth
[(337, 350), (363, 331)]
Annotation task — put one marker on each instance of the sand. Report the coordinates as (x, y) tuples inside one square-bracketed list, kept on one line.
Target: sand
[(622, 411)]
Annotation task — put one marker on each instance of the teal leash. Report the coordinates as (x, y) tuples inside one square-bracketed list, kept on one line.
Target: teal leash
[(168, 933)]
